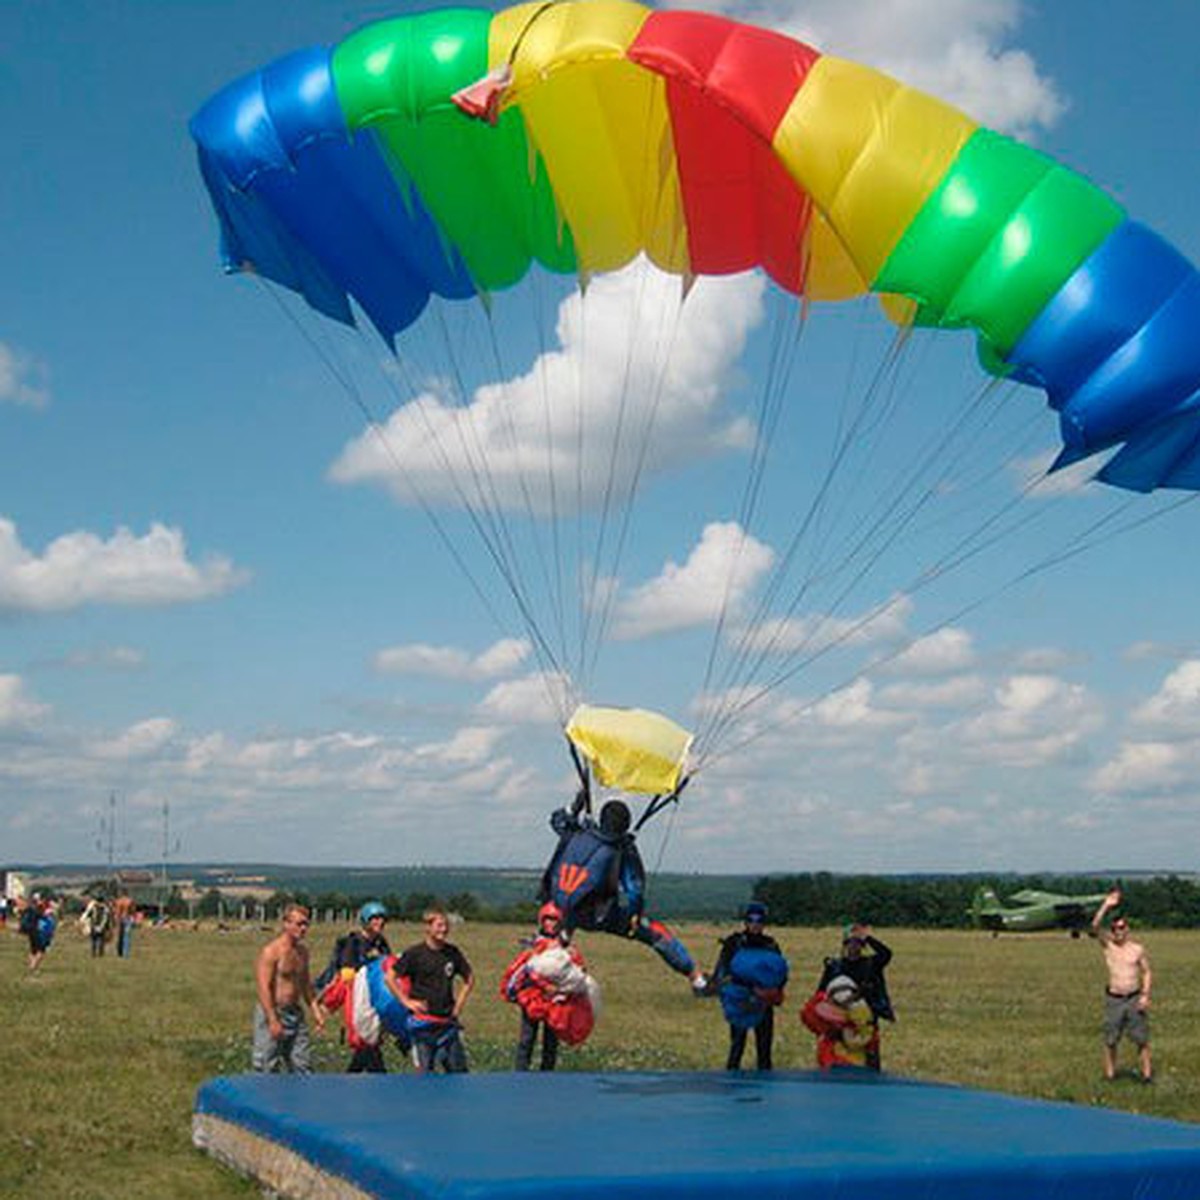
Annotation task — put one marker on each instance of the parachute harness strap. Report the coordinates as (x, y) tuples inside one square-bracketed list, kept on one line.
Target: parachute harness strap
[(658, 803)]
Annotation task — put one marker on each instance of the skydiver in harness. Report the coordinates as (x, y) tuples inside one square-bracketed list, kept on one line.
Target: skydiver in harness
[(596, 877)]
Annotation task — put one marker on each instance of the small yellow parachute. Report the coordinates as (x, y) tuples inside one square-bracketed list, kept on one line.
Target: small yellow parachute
[(631, 748)]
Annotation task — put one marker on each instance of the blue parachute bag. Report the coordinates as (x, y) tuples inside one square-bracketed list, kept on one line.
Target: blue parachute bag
[(751, 968), (46, 926), (393, 1016), (759, 966)]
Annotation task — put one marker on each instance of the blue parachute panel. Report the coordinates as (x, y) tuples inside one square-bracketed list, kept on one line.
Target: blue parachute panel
[(303, 203), (1116, 371), (801, 1135)]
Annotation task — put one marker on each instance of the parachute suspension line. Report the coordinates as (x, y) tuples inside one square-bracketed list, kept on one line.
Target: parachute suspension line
[(664, 354), (551, 580), (618, 503), (673, 803), (378, 428), (502, 544), (885, 532), (598, 561), (736, 665), (1088, 540), (604, 580), (804, 655), (783, 350), (354, 394)]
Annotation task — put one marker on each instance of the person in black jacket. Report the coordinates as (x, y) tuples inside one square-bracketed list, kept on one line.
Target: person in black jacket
[(864, 958), (753, 1006)]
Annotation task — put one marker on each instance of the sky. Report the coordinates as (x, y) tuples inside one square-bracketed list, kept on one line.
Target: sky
[(216, 594)]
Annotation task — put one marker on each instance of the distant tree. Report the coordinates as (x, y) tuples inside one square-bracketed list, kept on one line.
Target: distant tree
[(210, 903), (465, 904), (417, 903)]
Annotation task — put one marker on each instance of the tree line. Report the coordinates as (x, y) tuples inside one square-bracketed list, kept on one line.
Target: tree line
[(944, 902)]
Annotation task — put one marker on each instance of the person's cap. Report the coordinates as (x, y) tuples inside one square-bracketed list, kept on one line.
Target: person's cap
[(550, 912), (756, 910), (372, 908), (841, 987)]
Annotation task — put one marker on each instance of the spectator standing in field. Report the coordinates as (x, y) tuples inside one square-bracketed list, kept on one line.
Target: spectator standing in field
[(749, 976), (123, 915), (536, 998), (358, 948), (1127, 995), (285, 992), (863, 959), (38, 922), (95, 923), (423, 981), (844, 1024)]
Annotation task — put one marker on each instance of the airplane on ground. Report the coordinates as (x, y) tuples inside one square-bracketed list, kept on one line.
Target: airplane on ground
[(1029, 910)]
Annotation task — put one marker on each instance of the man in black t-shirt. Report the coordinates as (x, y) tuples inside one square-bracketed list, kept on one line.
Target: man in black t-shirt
[(424, 975)]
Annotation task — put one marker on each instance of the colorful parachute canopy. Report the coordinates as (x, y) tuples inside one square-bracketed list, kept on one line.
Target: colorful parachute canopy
[(711, 147), (630, 748)]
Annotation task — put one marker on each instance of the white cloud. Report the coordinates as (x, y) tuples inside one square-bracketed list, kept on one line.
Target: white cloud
[(537, 698), (23, 380), (627, 345), (813, 634), (853, 708), (1148, 650), (941, 653), (466, 747), (80, 568), (954, 49), (960, 692), (1144, 766), (16, 707), (141, 740), (448, 662), (1035, 720), (1042, 660), (1175, 708), (113, 658), (722, 570)]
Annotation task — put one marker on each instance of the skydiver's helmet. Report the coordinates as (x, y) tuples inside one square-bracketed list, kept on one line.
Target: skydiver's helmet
[(842, 990), (371, 909), (550, 914), (615, 818), (756, 913)]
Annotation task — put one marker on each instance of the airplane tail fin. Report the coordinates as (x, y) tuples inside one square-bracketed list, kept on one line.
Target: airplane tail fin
[(985, 897)]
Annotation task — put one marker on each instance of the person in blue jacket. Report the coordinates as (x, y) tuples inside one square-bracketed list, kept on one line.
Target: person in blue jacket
[(596, 877)]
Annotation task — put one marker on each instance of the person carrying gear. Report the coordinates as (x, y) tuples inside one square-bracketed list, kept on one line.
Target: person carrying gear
[(749, 976), (549, 983), (335, 985), (844, 1024)]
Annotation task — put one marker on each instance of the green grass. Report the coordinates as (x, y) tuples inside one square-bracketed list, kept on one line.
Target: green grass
[(101, 1058)]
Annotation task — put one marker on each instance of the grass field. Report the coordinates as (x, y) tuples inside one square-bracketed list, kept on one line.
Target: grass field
[(101, 1058)]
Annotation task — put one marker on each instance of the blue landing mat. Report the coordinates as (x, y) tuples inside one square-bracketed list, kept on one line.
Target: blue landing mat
[(796, 1135)]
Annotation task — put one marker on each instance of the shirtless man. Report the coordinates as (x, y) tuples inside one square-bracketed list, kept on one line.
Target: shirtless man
[(284, 988), (1127, 997)]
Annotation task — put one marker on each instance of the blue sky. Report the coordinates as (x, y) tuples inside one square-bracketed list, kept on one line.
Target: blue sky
[(210, 593)]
